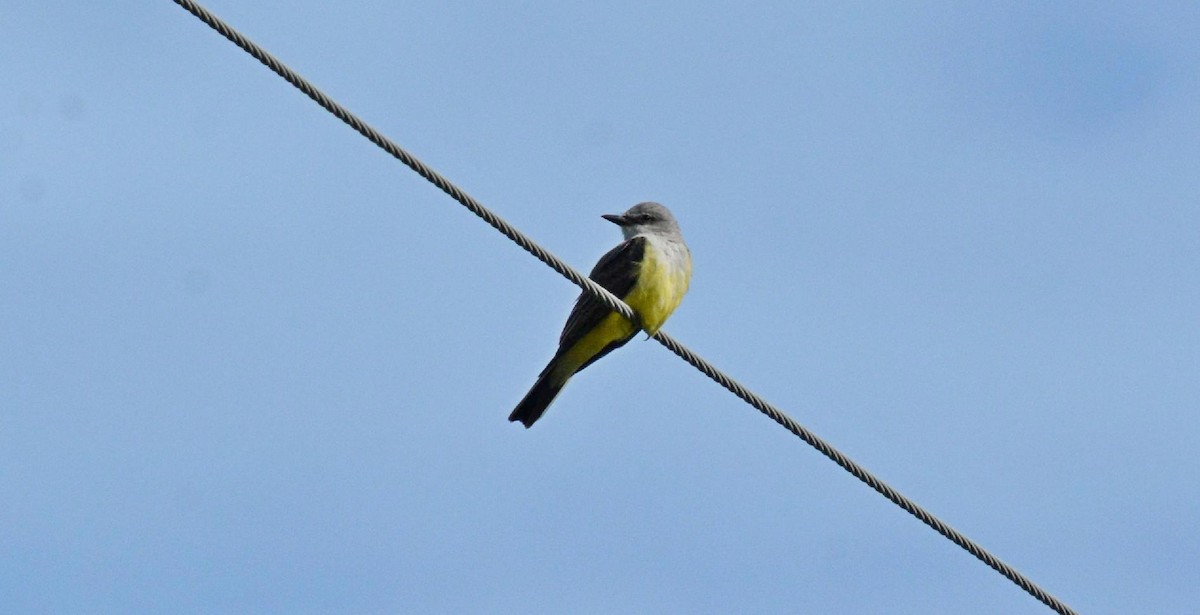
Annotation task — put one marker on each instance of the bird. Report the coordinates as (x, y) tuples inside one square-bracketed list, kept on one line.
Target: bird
[(650, 271)]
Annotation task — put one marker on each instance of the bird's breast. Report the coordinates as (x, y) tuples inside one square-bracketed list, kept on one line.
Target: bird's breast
[(662, 281)]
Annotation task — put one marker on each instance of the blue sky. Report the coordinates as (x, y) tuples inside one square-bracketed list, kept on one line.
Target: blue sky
[(252, 364)]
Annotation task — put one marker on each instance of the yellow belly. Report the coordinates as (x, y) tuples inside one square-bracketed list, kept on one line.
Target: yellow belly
[(658, 291)]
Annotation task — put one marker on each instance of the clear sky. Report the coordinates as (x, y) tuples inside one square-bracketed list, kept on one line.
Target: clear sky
[(249, 363)]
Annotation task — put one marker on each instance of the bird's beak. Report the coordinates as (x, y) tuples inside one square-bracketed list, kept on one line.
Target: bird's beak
[(616, 219)]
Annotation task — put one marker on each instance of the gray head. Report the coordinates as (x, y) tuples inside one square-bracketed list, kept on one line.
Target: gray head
[(646, 218)]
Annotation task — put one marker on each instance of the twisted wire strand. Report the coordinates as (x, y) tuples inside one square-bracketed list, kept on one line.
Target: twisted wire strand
[(610, 300), (865, 476), (614, 303)]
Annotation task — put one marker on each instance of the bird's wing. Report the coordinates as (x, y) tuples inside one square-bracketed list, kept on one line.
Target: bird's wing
[(617, 272)]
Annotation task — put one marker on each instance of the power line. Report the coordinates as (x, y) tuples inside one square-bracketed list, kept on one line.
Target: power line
[(612, 302)]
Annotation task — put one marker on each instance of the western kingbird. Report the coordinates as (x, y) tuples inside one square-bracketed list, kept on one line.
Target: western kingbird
[(650, 271)]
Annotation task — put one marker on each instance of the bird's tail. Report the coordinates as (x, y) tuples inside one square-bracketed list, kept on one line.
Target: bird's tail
[(538, 398)]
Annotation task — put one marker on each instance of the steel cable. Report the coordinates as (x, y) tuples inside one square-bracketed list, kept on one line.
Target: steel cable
[(616, 304)]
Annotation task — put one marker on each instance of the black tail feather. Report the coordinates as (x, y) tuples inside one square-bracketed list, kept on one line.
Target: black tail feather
[(536, 400)]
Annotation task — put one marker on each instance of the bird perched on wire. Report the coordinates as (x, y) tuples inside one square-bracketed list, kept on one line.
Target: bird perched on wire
[(649, 271)]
